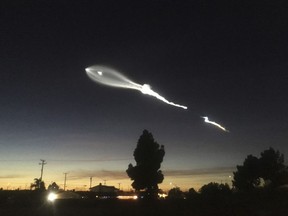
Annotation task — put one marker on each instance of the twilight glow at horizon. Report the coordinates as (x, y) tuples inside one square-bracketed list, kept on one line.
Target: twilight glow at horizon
[(111, 77), (214, 123)]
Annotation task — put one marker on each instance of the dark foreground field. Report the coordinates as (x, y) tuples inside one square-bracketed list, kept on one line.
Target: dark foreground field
[(27, 204)]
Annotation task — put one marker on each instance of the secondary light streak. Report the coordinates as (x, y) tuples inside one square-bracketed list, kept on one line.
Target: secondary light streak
[(110, 77), (206, 119)]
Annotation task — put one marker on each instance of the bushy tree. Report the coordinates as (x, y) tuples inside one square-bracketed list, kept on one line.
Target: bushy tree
[(247, 176), (38, 185), (272, 167), (269, 167), (191, 193), (214, 189), (148, 156), (175, 193), (53, 187)]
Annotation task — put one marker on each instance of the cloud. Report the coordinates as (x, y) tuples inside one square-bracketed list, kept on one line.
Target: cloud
[(199, 172), (12, 176), (101, 174), (117, 175)]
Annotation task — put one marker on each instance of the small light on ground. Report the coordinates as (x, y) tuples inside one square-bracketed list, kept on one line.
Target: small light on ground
[(51, 197)]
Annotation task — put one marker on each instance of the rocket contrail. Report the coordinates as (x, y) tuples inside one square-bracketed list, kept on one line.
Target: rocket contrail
[(214, 123), (110, 77), (113, 78)]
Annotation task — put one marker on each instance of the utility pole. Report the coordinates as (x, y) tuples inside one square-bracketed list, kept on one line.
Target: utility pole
[(119, 185), (65, 178), (42, 166), (90, 182)]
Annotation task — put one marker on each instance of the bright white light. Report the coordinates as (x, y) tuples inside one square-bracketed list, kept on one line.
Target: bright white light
[(214, 123), (110, 77), (51, 197), (128, 197), (146, 89), (162, 195)]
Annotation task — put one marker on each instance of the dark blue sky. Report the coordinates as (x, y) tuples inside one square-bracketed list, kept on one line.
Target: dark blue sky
[(223, 59)]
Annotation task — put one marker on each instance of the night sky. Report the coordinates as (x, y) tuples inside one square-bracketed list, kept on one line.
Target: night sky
[(223, 59)]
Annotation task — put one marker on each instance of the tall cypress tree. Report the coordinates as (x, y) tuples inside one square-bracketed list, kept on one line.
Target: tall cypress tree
[(146, 175)]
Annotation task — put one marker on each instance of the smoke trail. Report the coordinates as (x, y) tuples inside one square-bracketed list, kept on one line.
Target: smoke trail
[(214, 123), (110, 77)]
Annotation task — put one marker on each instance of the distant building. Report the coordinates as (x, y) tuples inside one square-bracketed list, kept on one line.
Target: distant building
[(104, 190)]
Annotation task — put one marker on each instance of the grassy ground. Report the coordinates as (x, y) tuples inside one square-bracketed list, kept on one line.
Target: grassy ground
[(237, 205)]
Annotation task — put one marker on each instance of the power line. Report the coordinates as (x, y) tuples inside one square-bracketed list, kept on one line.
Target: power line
[(90, 160), (68, 160)]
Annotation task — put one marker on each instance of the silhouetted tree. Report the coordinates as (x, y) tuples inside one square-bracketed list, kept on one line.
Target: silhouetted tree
[(247, 177), (38, 185), (191, 193), (273, 170), (53, 187), (175, 193), (215, 189), (269, 167), (148, 156)]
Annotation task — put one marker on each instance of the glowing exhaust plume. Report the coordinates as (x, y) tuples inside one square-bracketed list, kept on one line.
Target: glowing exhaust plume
[(214, 123), (110, 77)]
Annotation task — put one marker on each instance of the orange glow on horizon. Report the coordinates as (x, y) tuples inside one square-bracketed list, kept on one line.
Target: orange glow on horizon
[(183, 182)]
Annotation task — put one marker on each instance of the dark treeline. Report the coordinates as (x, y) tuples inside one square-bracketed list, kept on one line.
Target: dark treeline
[(259, 187), (256, 203)]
